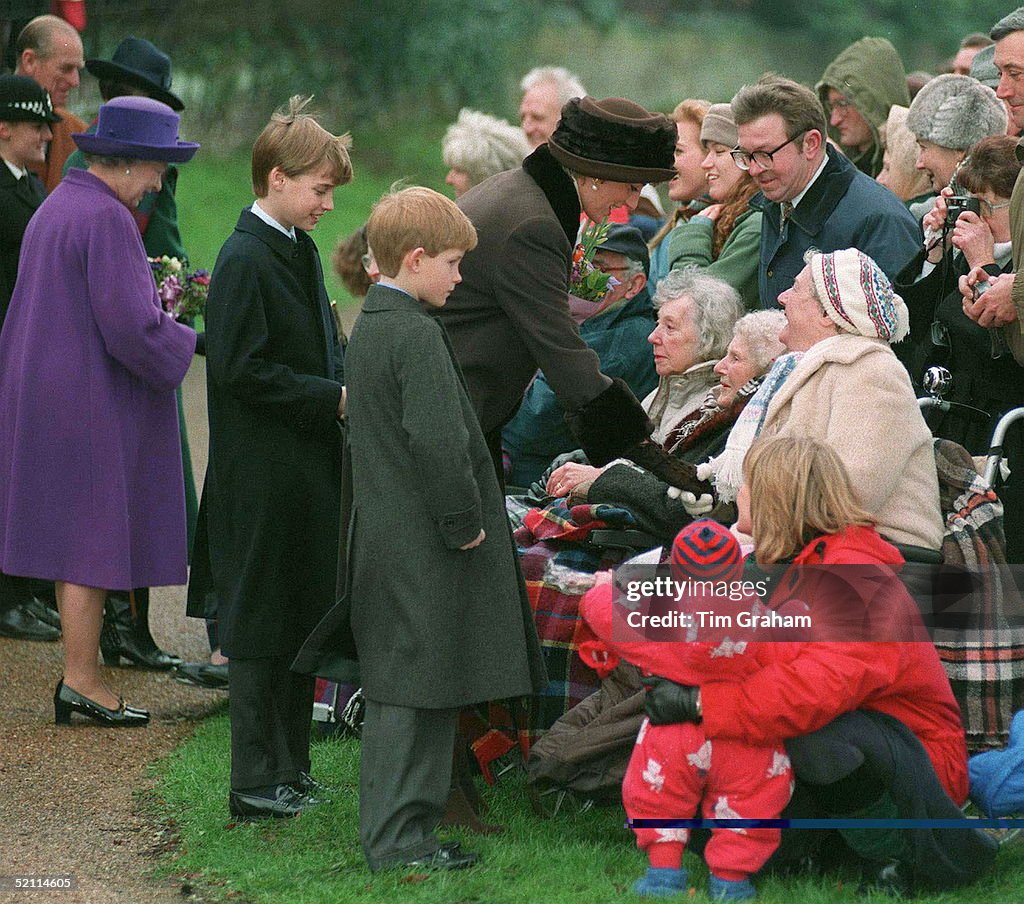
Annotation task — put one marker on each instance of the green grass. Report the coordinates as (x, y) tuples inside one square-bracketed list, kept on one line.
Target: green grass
[(213, 190), (575, 858)]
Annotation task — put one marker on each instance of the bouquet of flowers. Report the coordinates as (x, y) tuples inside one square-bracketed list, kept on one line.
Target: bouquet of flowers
[(587, 282), (182, 292)]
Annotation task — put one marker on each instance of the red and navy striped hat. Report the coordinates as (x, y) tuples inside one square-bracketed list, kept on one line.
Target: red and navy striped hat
[(706, 551)]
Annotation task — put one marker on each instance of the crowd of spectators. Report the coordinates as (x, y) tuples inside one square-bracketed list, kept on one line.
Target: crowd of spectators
[(744, 383)]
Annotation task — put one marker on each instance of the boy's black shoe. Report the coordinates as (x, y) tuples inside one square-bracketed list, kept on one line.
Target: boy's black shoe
[(447, 856), (312, 788), (274, 802), (18, 622), (43, 612)]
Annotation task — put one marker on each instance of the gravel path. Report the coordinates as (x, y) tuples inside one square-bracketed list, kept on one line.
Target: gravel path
[(70, 802)]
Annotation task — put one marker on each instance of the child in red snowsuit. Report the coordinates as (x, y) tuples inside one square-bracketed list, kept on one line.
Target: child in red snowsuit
[(676, 769)]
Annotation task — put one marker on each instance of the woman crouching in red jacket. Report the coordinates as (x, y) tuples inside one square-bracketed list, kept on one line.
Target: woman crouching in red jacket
[(866, 711)]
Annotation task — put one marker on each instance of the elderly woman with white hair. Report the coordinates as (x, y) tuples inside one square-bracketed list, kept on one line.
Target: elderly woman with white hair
[(696, 316), (736, 401), (477, 146)]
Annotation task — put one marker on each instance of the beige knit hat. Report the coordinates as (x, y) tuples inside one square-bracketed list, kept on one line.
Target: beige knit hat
[(719, 126), (858, 296)]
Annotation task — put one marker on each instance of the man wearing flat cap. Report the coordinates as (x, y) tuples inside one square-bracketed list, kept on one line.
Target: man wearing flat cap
[(510, 315), (616, 327), (26, 115)]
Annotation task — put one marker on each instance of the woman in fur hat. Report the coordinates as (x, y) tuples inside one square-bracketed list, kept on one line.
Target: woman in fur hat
[(949, 114), (510, 315)]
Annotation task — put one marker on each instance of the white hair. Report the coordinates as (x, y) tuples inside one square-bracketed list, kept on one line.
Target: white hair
[(717, 307), (759, 331), (482, 145), (567, 84)]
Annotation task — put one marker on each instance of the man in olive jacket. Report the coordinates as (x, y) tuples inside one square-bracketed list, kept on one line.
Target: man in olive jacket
[(857, 90)]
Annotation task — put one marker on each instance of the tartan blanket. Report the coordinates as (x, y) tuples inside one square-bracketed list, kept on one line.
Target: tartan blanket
[(985, 661), (558, 566)]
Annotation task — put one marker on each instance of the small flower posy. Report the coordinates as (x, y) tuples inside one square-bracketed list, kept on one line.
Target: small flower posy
[(182, 293), (586, 281)]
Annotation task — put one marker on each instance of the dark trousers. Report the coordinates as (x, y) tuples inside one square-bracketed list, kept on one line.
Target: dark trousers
[(404, 777), (271, 709)]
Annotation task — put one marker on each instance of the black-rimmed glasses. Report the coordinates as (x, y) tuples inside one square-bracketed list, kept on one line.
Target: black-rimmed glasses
[(763, 159)]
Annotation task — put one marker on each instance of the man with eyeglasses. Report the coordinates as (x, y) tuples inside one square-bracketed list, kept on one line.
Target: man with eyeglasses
[(811, 195), (857, 90), (1000, 303)]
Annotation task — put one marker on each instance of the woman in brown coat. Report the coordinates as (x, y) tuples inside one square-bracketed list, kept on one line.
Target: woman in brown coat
[(510, 315)]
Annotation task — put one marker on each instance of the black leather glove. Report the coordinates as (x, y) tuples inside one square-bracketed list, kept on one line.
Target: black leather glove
[(667, 702)]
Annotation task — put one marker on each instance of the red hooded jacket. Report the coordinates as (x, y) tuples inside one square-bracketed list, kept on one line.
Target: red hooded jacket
[(904, 679)]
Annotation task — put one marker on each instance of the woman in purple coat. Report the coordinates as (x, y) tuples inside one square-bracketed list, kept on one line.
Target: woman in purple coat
[(88, 426)]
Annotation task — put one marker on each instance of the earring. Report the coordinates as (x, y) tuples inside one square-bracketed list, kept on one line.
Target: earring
[(593, 186), (128, 171)]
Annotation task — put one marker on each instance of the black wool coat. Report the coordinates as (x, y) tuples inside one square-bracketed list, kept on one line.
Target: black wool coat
[(18, 202), (433, 626), (268, 533)]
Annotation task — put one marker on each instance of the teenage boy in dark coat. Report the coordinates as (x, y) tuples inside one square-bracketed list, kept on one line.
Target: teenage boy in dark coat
[(270, 503)]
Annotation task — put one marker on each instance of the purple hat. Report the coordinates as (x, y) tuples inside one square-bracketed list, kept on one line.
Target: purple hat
[(138, 128)]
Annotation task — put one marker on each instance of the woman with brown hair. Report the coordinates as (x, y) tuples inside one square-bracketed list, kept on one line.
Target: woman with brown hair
[(865, 709), (686, 187), (724, 238)]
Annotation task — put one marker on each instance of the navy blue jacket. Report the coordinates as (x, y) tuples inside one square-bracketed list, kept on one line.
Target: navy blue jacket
[(842, 209)]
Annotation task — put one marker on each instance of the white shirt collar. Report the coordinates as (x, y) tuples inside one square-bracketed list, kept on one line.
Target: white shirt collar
[(270, 221), (18, 173), (817, 173), (387, 283)]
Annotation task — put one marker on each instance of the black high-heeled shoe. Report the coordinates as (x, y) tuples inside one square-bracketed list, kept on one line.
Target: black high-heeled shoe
[(66, 701)]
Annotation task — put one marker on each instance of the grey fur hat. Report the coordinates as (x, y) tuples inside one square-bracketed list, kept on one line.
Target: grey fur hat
[(983, 67), (955, 111)]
